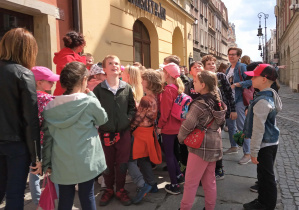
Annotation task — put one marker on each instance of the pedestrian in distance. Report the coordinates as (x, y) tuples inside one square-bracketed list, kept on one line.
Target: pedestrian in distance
[(201, 164), (19, 125), (72, 150)]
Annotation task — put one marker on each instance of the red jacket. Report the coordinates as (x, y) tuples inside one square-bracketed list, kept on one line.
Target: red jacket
[(64, 56), (168, 123)]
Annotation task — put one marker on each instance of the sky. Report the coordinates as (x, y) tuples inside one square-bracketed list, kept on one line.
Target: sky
[(244, 14)]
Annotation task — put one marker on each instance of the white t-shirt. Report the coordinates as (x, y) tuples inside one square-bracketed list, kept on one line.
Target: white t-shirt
[(230, 78)]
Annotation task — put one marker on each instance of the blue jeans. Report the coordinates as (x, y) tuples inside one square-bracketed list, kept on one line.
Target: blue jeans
[(86, 196), (240, 108), (14, 168), (231, 125)]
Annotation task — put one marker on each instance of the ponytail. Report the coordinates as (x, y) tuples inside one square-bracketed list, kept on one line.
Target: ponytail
[(178, 82)]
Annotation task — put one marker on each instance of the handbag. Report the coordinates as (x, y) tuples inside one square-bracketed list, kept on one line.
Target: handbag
[(195, 138), (48, 196), (247, 93)]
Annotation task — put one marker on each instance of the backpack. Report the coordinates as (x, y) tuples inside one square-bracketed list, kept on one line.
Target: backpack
[(180, 105)]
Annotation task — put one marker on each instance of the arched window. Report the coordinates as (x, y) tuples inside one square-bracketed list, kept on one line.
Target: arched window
[(141, 44)]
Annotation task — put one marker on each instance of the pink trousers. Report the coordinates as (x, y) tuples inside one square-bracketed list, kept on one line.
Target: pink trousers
[(198, 169)]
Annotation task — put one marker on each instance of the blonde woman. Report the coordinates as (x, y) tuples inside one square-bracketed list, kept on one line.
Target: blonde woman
[(245, 59)]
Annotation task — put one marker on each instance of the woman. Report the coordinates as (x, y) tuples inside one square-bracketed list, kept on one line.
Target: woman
[(74, 43), (19, 125)]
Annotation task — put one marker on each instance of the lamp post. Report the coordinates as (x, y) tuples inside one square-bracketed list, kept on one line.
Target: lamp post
[(260, 34)]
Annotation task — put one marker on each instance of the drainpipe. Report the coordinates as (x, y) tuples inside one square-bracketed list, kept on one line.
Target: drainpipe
[(76, 15)]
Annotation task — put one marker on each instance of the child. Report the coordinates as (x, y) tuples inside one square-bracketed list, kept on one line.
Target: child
[(72, 149), (168, 126), (89, 60), (146, 148), (260, 126), (116, 97), (202, 161), (44, 79), (97, 75), (195, 68)]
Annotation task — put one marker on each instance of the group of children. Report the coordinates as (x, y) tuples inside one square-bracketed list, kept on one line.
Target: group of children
[(106, 125)]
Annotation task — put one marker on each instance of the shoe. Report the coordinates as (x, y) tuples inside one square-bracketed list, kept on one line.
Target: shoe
[(142, 192), (181, 179), (232, 150), (254, 188), (155, 188), (122, 195), (219, 174), (173, 189), (244, 160), (106, 197), (128, 179), (254, 205), (225, 128)]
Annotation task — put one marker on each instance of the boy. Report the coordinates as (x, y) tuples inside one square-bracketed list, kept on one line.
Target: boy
[(260, 126), (117, 99)]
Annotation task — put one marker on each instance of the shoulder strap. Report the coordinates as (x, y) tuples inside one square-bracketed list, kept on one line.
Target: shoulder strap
[(240, 75)]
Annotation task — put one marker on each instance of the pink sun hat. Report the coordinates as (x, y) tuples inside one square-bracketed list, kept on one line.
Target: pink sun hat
[(172, 69), (43, 73)]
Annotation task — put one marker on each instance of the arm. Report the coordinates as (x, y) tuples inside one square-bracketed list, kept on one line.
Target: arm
[(246, 83), (98, 112), (131, 105), (228, 93), (165, 107), (47, 147), (260, 113)]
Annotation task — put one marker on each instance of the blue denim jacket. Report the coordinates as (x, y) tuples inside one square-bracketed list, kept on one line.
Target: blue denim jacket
[(271, 131), (244, 84)]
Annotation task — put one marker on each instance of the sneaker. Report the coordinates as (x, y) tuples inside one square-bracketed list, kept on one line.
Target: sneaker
[(155, 188), (254, 188), (181, 179), (122, 195), (219, 174), (232, 150), (254, 205), (173, 189), (142, 192), (245, 159), (106, 197)]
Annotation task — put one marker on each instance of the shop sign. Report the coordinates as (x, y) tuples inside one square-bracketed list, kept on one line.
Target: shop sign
[(151, 7)]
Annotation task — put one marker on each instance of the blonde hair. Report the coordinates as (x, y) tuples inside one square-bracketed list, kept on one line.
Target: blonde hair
[(245, 59), (154, 80), (107, 57), (20, 46), (135, 81), (179, 83)]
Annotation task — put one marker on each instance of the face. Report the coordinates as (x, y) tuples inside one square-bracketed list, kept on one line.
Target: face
[(210, 66), (101, 77), (257, 81), (144, 85), (233, 57), (125, 76), (182, 70), (89, 60), (198, 86), (195, 69), (44, 85), (112, 67)]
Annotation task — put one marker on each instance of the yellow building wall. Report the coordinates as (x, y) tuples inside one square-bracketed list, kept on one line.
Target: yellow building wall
[(108, 29)]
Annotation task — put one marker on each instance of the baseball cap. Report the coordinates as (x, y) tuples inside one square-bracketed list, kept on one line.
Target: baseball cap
[(43, 73), (172, 69), (96, 69), (264, 70)]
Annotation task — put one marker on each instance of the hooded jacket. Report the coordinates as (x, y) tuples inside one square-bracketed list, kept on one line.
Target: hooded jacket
[(72, 147), (199, 116), (61, 58)]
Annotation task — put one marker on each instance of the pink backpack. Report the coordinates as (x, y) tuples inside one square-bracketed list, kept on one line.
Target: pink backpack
[(180, 106)]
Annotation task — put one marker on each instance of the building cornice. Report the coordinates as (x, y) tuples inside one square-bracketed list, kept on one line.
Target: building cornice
[(180, 9)]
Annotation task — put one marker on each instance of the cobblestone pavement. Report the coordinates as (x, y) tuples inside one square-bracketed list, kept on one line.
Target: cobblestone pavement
[(287, 160)]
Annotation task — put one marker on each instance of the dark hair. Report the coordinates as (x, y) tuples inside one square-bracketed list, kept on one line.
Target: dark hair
[(173, 59), (207, 58), (239, 50), (72, 75), (73, 39), (221, 67), (252, 66), (193, 63)]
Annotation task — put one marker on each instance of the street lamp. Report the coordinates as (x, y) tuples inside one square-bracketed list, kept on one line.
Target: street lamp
[(260, 34)]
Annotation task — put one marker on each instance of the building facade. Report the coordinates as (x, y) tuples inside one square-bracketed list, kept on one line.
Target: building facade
[(287, 24), (231, 35), (271, 45)]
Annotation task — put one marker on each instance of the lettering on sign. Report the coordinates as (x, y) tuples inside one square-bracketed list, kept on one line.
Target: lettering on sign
[(151, 7)]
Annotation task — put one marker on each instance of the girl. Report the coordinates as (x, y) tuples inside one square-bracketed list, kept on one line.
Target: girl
[(96, 76), (202, 161), (195, 67), (146, 148), (169, 126), (72, 149)]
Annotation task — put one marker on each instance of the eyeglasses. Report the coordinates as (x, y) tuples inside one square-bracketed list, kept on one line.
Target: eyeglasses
[(232, 54)]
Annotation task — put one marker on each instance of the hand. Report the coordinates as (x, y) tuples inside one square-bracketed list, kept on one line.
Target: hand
[(233, 115), (254, 160), (37, 168), (158, 130), (49, 171), (246, 111), (232, 86), (86, 90)]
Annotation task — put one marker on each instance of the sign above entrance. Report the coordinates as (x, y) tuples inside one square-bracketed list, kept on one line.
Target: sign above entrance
[(151, 7)]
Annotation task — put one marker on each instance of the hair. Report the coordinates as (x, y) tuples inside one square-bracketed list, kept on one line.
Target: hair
[(154, 80), (221, 67), (135, 81), (72, 75), (239, 50), (207, 58), (20, 46), (73, 39), (179, 83), (245, 59), (106, 58), (210, 80), (173, 59), (88, 55), (193, 63)]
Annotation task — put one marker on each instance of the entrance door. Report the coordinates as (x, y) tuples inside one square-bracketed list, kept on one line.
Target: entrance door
[(10, 19), (141, 44)]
